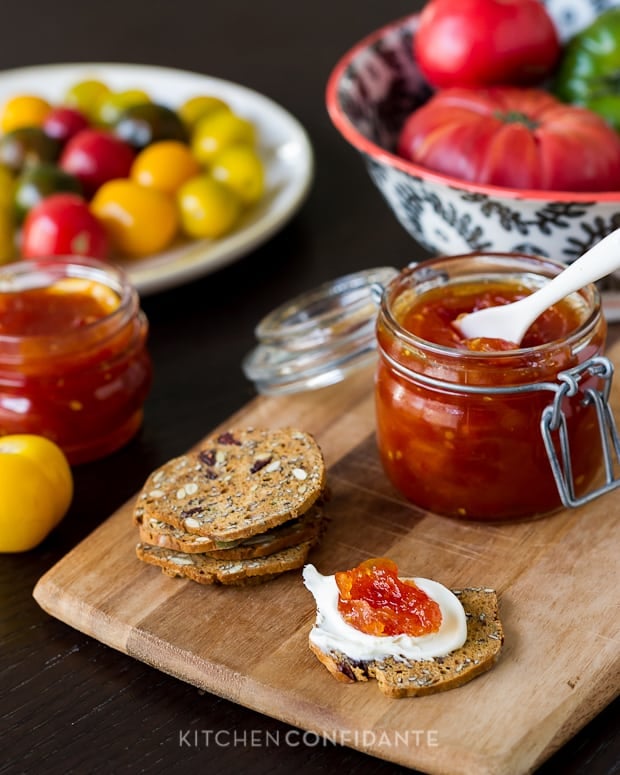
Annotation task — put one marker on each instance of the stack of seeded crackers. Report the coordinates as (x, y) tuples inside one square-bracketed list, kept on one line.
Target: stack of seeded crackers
[(244, 508)]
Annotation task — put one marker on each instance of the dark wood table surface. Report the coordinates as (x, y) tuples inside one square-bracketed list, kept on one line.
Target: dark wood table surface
[(67, 702)]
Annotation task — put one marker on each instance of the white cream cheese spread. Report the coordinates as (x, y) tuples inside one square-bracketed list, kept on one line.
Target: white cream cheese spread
[(332, 633)]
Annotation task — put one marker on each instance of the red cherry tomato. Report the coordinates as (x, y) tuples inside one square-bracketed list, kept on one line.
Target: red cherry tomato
[(63, 225), (63, 123), (485, 42), (95, 156)]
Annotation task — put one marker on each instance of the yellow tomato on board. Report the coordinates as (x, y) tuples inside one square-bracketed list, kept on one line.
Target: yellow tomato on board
[(36, 489)]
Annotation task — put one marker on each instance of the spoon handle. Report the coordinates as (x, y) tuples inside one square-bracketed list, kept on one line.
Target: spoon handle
[(599, 261)]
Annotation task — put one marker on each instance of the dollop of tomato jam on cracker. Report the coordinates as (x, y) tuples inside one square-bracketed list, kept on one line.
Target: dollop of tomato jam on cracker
[(375, 601)]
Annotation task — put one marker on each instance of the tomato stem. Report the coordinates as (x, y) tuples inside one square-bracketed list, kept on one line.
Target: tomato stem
[(516, 117)]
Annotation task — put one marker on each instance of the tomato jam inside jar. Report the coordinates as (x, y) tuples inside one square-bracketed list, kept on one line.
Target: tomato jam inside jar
[(459, 421), (73, 360)]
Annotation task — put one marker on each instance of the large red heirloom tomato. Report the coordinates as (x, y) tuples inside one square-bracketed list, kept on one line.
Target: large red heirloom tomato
[(518, 138), (485, 43)]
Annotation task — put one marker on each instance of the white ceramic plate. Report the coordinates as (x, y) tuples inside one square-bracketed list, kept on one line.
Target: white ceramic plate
[(283, 144)]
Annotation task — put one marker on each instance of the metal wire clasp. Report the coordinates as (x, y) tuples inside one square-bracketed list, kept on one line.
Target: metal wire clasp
[(553, 422)]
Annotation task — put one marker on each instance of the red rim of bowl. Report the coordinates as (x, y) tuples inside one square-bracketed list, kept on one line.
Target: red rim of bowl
[(357, 140)]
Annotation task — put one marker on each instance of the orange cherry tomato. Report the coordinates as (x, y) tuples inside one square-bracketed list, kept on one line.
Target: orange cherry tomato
[(23, 110), (139, 220), (165, 166)]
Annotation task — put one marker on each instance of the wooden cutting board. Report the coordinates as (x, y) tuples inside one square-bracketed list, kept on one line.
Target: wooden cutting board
[(557, 579)]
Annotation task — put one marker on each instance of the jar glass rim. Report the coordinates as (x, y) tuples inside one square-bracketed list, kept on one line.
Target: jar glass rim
[(431, 271), (42, 273)]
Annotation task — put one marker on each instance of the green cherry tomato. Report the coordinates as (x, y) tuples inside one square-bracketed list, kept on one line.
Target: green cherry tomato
[(141, 125), (589, 71), (27, 146), (38, 182)]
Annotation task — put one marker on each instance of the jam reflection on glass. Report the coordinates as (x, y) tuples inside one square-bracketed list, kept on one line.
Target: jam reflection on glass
[(479, 455)]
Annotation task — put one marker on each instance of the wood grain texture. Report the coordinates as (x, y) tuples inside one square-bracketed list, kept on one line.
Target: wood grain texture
[(557, 579)]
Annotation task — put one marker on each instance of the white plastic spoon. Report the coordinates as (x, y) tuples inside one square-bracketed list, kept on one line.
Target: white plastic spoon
[(511, 321)]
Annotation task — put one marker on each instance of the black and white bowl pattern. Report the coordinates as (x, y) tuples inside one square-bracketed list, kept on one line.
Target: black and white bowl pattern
[(371, 92)]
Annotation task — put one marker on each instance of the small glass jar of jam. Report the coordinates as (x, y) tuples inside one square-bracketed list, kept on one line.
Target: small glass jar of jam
[(73, 360), (460, 422)]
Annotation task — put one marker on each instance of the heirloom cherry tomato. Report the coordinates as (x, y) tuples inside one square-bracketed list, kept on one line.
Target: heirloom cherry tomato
[(485, 42), (7, 187), (36, 489), (7, 236), (26, 146), (62, 123), (198, 107), (63, 225), (240, 168), (220, 130), (85, 97), (95, 156), (208, 208), (38, 182), (139, 220), (165, 165), (141, 125), (471, 134), (23, 110), (113, 104)]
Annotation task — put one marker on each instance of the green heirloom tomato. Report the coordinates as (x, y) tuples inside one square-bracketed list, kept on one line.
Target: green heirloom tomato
[(38, 182), (26, 146), (589, 71), (141, 125)]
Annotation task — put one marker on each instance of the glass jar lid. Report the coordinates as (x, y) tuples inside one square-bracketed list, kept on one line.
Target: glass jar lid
[(319, 337)]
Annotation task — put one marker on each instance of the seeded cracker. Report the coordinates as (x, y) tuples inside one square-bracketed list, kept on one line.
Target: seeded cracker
[(307, 527), (238, 484), (207, 570), (408, 678)]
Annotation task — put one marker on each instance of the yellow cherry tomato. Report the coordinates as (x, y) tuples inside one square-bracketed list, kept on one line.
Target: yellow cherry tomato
[(208, 208), (36, 489), (139, 220), (7, 235), (112, 104), (198, 107), (239, 167), (164, 165), (86, 95), (23, 110), (7, 187), (220, 130)]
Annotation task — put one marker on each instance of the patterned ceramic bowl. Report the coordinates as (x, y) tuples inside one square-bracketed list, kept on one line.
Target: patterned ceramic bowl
[(371, 91)]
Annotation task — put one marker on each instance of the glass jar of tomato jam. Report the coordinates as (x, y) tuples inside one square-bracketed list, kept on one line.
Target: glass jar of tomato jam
[(460, 423), (73, 360)]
